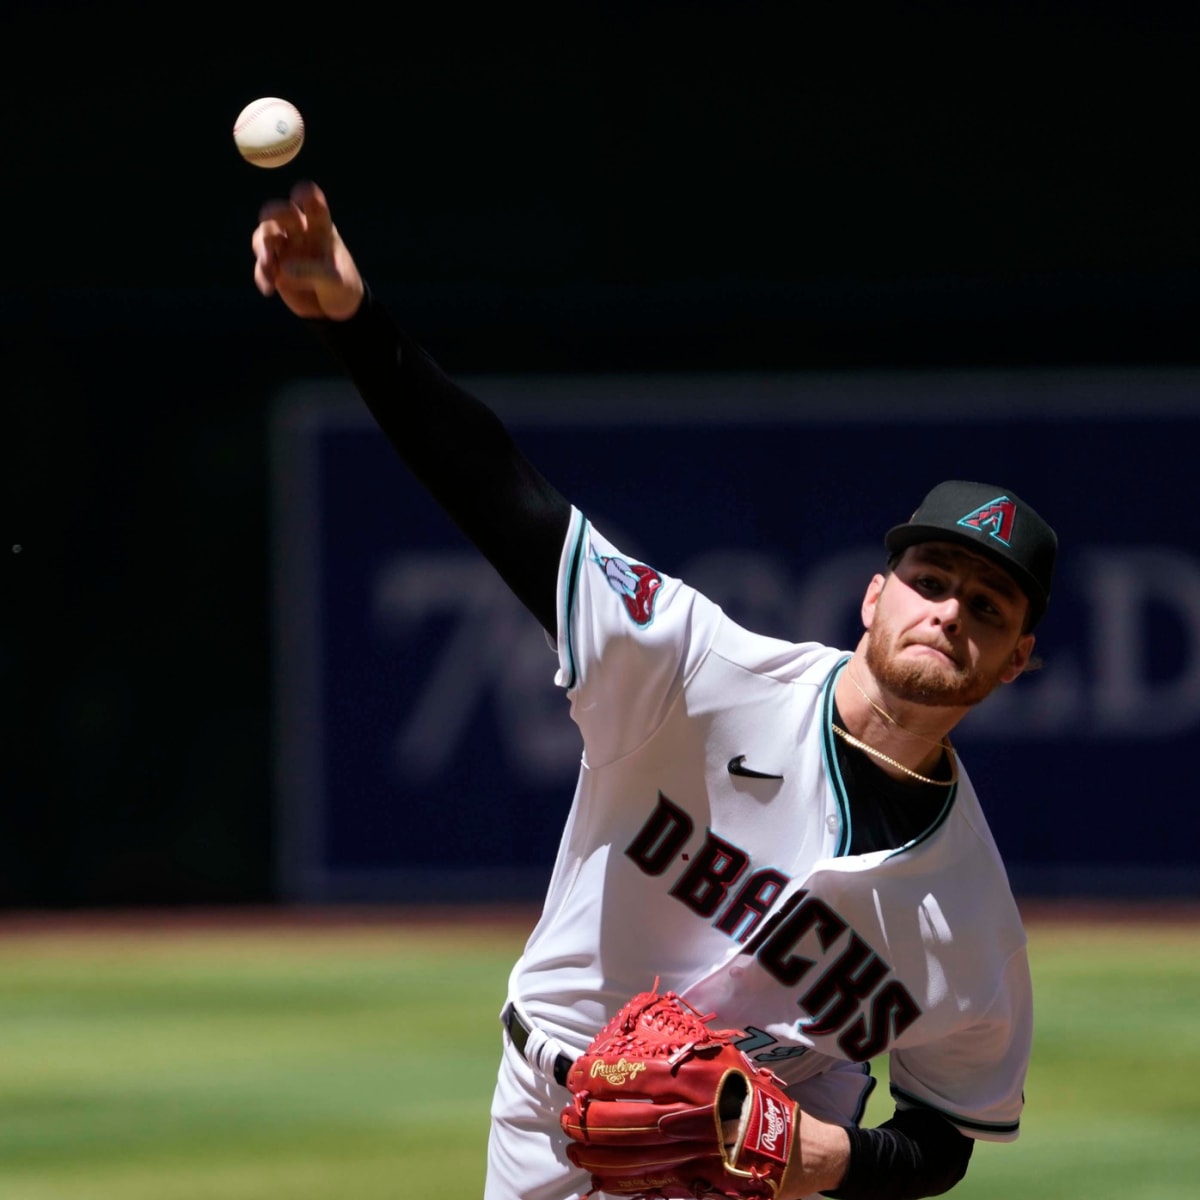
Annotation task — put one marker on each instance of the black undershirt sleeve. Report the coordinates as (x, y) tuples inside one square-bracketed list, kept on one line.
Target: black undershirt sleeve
[(460, 452), (917, 1153)]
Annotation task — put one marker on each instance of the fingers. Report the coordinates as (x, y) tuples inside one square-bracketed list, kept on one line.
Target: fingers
[(285, 215), (266, 243), (310, 201), (305, 211), (267, 238), (303, 220), (264, 279), (299, 224)]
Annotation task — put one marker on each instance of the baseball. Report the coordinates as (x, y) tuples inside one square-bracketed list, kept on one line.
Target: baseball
[(269, 132)]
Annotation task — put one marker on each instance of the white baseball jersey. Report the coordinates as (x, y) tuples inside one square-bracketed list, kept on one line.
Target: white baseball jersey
[(736, 890)]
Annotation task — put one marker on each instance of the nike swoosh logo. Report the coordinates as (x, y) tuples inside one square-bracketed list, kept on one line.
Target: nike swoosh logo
[(737, 767)]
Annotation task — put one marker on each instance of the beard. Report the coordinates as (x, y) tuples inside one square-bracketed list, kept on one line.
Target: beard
[(928, 681)]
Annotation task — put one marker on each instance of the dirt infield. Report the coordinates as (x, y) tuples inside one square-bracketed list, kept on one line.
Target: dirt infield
[(333, 919)]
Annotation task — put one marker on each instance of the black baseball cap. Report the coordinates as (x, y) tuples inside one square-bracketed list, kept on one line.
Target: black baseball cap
[(993, 521)]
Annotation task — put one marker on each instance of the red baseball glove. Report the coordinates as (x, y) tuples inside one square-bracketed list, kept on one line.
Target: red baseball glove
[(665, 1107)]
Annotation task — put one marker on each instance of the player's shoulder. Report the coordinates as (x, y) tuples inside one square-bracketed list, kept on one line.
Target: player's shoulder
[(772, 657)]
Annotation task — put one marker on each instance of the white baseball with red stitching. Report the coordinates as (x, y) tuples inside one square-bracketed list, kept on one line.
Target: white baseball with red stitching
[(269, 132)]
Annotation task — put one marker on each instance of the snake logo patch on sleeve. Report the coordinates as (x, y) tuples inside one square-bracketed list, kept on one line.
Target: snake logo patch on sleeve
[(636, 584)]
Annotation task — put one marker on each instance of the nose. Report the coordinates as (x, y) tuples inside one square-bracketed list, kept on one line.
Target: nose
[(947, 612)]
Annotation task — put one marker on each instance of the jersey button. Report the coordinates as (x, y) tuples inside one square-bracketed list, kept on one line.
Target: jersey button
[(831, 823)]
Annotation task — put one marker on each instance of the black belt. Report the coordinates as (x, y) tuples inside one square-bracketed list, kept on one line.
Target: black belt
[(519, 1032)]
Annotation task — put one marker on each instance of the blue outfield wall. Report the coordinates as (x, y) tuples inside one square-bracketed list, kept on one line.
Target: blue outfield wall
[(424, 753)]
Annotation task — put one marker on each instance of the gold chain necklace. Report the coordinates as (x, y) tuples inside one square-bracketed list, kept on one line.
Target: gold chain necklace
[(849, 737), (887, 716)]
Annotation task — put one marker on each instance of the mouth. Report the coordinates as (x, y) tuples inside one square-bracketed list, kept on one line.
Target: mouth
[(944, 652)]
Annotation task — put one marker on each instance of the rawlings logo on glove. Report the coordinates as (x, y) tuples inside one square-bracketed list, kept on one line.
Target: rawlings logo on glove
[(616, 1073), (664, 1107)]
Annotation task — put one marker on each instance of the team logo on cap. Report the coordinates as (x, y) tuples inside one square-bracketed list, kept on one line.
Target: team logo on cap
[(995, 518)]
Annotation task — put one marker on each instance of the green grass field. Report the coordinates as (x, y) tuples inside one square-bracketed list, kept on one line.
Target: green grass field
[(319, 1062)]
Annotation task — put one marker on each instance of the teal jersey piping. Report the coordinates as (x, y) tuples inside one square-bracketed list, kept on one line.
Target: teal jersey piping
[(571, 584), (829, 753), (898, 1093), (829, 750), (935, 824)]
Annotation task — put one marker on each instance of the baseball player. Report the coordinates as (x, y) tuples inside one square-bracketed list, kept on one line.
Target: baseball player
[(781, 833)]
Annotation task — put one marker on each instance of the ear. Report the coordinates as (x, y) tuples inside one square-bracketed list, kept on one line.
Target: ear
[(871, 599), (1021, 655)]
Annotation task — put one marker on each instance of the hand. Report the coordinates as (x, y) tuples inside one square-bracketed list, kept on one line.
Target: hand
[(299, 254), (819, 1159)]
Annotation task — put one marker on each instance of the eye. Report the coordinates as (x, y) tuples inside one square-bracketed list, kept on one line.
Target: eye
[(987, 607), (928, 583)]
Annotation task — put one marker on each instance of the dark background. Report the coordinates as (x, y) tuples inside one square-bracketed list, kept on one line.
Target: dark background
[(594, 187)]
